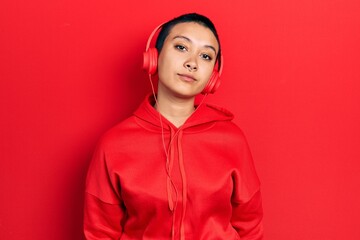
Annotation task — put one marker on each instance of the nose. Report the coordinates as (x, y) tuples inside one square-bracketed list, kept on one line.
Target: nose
[(191, 64)]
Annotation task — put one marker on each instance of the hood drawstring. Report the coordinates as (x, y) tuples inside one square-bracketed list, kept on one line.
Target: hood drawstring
[(184, 189), (169, 165), (170, 184)]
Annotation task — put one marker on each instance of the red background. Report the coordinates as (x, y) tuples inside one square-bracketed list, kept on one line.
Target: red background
[(69, 70)]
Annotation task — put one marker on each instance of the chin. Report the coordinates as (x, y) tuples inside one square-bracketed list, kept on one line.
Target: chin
[(184, 94), (187, 94)]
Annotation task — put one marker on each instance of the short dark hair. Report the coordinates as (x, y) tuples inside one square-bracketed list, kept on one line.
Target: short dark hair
[(189, 17)]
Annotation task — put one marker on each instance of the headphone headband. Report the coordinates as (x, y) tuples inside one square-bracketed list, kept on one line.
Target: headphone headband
[(151, 36)]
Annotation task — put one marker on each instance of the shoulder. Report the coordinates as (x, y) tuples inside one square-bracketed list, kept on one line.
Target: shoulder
[(118, 134), (225, 122)]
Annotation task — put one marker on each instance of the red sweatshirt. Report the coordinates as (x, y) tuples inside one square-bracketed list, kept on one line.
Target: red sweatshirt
[(151, 180)]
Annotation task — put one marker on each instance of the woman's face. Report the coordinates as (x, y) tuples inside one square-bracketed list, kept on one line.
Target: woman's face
[(186, 60)]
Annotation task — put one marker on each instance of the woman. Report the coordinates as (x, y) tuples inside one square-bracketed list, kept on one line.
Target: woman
[(174, 169)]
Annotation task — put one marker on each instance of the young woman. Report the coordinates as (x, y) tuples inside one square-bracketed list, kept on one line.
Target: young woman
[(174, 169)]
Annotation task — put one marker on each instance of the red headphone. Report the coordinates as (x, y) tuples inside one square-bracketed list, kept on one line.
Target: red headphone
[(151, 58)]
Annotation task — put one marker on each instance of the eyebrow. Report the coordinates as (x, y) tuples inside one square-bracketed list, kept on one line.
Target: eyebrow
[(189, 40)]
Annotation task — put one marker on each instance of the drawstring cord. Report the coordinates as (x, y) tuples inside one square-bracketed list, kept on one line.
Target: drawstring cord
[(184, 189), (169, 182), (169, 164)]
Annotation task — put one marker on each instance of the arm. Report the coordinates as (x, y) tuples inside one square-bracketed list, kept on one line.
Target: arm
[(247, 212), (104, 211), (102, 220), (247, 218)]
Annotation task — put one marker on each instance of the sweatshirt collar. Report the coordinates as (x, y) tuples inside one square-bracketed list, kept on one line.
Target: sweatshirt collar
[(204, 116)]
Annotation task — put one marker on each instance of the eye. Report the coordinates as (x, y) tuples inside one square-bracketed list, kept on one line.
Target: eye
[(180, 47), (206, 56)]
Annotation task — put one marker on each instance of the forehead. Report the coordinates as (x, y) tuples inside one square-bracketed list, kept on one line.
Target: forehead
[(195, 32)]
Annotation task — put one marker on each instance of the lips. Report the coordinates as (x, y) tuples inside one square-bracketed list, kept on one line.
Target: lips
[(187, 77)]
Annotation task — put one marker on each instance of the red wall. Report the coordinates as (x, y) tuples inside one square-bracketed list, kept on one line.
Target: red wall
[(69, 70)]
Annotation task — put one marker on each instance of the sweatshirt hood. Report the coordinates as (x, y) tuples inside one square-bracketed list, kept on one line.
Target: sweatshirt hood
[(204, 116)]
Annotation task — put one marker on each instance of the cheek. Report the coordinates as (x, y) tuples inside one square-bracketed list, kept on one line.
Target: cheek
[(162, 66), (168, 65), (207, 73)]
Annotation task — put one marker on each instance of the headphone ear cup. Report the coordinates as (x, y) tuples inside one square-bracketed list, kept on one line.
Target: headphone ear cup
[(213, 83), (150, 61)]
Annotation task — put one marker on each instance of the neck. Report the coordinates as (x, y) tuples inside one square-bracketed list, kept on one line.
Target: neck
[(176, 110)]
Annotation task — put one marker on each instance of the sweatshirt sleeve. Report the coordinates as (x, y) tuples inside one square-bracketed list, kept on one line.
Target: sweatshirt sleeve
[(103, 208), (247, 213), (247, 218)]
